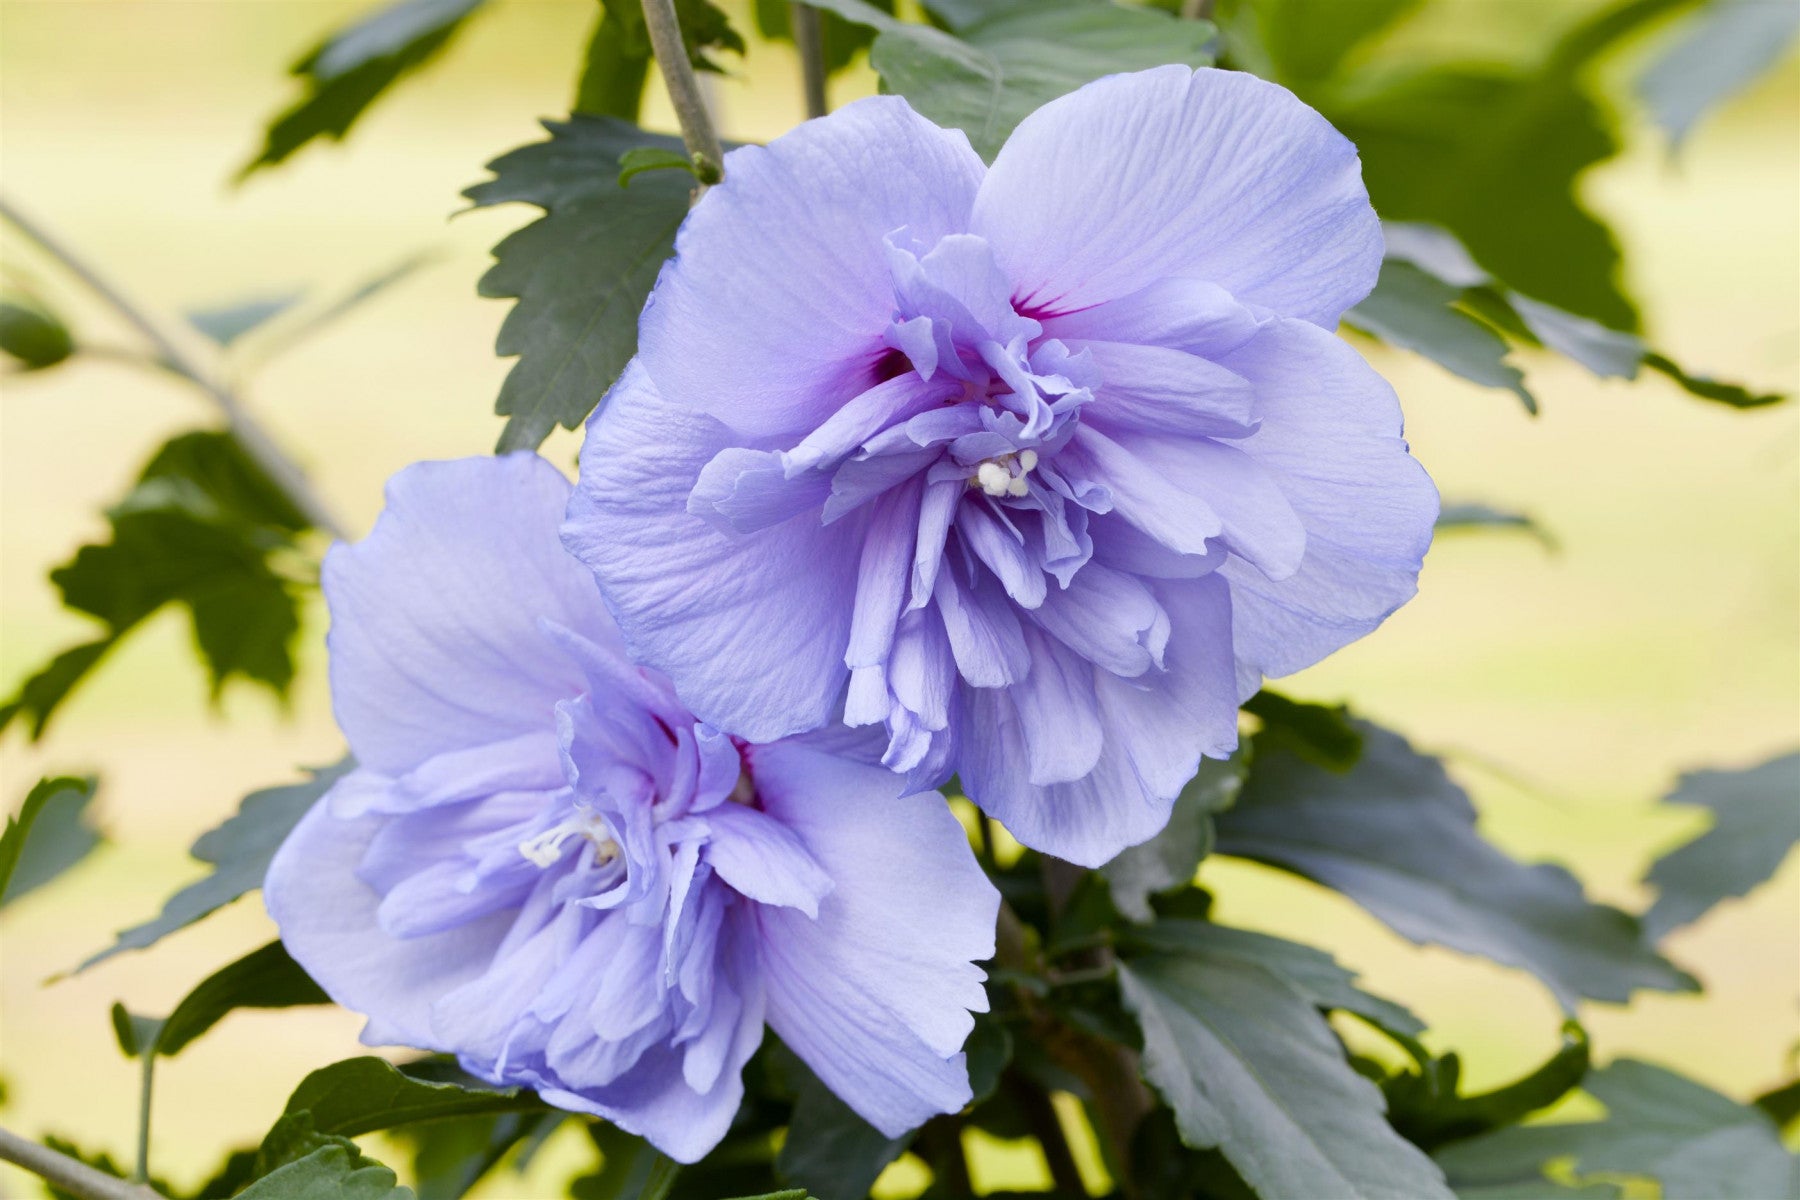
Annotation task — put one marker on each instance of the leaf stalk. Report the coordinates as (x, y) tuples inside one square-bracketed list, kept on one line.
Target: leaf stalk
[(146, 1084)]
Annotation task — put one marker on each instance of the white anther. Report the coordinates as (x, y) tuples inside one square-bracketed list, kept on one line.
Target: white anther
[(993, 478), (1018, 486), (1027, 459), (545, 849)]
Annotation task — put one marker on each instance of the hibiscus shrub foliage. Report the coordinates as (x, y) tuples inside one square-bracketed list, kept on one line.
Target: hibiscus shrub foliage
[(824, 774)]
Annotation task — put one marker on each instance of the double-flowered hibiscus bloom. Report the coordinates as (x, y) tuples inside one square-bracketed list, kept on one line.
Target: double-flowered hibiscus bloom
[(547, 867), (1034, 471), (1041, 467)]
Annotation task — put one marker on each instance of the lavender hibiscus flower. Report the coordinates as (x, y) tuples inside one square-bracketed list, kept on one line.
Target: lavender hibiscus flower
[(1042, 467), (545, 866)]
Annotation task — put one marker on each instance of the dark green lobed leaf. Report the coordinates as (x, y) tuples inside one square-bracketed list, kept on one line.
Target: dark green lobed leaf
[(840, 40), (619, 53), (630, 1168), (1163, 1168), (1727, 48), (1539, 132), (1453, 517), (451, 1155), (1426, 1106), (581, 273), (227, 323), (1251, 1068), (49, 835), (1697, 1144), (1756, 821), (959, 15), (1309, 971), (298, 1162), (1782, 1104), (830, 1150), (233, 1173), (132, 1032), (240, 850), (352, 68), (995, 71), (1302, 42), (1707, 388), (203, 527), (264, 978), (1412, 856), (1322, 734), (363, 1095), (1168, 861), (636, 161), (1540, 1188), (1434, 299), (1412, 310)]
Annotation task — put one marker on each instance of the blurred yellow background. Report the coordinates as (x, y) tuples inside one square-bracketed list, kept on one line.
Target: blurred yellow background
[(1567, 689)]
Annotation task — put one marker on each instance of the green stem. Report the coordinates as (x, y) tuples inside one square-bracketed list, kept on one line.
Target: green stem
[(809, 40), (1119, 1099), (986, 832), (70, 1174), (662, 1177), (683, 86), (146, 1082), (1040, 1114), (940, 1143)]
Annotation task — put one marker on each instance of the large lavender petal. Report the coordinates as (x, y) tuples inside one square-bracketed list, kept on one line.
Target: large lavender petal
[(1332, 439), (763, 859), (435, 642), (876, 993), (1165, 722), (656, 1097), (1085, 821), (773, 311), (1257, 522), (751, 628), (1213, 175), (327, 916), (1158, 390)]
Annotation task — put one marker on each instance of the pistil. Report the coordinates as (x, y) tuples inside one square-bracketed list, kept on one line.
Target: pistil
[(545, 849)]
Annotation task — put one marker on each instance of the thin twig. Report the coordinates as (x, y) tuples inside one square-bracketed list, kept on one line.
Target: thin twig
[(683, 86), (1119, 1100), (250, 434), (986, 833), (1060, 881), (809, 39), (1040, 1114), (940, 1144), (70, 1174)]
